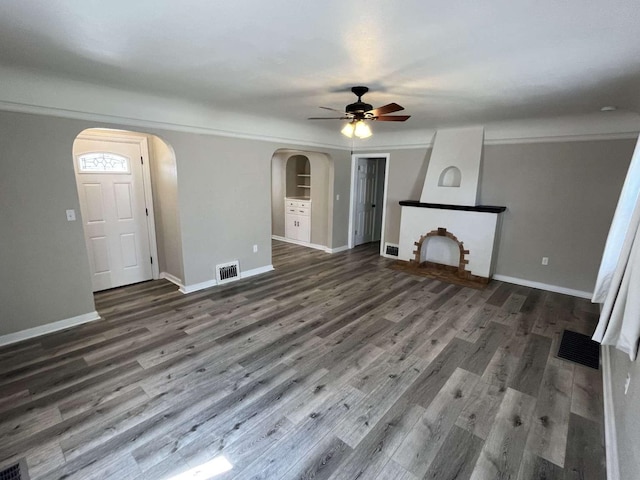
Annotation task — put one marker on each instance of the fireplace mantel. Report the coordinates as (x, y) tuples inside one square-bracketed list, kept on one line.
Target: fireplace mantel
[(441, 206)]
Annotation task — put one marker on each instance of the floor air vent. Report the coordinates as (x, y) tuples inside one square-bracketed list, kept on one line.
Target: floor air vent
[(227, 272), (579, 348), (391, 249), (17, 471)]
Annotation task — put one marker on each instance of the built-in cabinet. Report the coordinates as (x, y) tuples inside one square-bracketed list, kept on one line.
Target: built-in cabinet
[(297, 219), (297, 203), (300, 196)]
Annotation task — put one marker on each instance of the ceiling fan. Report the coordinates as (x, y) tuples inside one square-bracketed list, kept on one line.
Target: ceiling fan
[(358, 112)]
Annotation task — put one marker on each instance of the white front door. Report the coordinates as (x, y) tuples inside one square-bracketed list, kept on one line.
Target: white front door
[(365, 206), (114, 215)]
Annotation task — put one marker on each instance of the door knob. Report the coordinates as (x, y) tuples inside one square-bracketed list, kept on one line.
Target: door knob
[(373, 205)]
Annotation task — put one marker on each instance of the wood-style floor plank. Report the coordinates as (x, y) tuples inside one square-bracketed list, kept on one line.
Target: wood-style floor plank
[(502, 452), (429, 433), (330, 367)]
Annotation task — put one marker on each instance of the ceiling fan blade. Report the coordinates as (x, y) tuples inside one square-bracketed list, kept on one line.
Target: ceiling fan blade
[(393, 118), (392, 107), (329, 118), (332, 109)]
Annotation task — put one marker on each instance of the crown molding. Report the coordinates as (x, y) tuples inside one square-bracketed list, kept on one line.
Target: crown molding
[(577, 128), (124, 121)]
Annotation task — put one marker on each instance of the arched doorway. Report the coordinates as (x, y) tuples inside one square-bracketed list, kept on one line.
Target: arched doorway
[(113, 176), (302, 198)]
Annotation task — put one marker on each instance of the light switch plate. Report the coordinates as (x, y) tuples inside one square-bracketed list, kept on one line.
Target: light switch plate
[(71, 215)]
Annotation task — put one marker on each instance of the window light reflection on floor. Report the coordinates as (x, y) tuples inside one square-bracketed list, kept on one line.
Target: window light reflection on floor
[(210, 469)]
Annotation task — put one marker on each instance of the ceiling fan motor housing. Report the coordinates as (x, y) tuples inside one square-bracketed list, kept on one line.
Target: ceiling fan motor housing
[(359, 108)]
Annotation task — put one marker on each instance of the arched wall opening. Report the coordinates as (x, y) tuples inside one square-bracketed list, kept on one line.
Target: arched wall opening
[(450, 177), (129, 206), (306, 179)]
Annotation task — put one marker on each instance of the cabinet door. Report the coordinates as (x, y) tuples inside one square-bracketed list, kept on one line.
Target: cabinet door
[(290, 226), (304, 228)]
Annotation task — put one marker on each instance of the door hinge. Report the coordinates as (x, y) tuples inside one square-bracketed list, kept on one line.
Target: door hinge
[(141, 161), (151, 260), (146, 210)]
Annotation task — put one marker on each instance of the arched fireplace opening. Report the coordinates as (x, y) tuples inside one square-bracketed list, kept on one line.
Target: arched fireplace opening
[(420, 257), (456, 272)]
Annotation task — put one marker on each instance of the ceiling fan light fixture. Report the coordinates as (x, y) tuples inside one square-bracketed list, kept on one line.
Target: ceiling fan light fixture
[(362, 130), (348, 129)]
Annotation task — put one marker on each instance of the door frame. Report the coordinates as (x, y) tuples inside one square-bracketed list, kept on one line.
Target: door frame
[(352, 196), (142, 141)]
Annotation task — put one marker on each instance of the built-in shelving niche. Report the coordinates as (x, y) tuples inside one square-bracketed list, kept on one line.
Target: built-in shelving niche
[(299, 177)]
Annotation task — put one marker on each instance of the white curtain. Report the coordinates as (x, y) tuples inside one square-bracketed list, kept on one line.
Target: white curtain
[(618, 284)]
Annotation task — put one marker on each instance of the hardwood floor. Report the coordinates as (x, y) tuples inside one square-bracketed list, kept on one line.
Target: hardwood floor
[(330, 367)]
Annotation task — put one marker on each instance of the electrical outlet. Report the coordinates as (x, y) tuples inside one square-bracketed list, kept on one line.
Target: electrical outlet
[(627, 383), (71, 215), (545, 260), (338, 196), (255, 249)]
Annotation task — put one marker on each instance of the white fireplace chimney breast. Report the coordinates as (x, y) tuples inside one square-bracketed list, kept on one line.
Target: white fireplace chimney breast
[(454, 168)]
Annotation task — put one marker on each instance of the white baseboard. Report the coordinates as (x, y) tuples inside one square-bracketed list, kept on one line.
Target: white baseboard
[(610, 436), (256, 271), (197, 286), (212, 283), (544, 286), (48, 328), (311, 245), (298, 242), (172, 278)]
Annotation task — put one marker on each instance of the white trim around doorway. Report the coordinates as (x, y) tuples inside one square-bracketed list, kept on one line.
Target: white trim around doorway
[(134, 137), (354, 162)]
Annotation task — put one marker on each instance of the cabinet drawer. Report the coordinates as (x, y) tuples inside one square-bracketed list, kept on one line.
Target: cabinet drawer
[(297, 203), (293, 210), (303, 211)]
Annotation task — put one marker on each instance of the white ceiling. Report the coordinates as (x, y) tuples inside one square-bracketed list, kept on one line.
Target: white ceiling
[(447, 63)]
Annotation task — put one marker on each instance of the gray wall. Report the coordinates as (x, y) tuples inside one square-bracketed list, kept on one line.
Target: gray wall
[(560, 198), (278, 192), (319, 198), (224, 191), (407, 169), (44, 268), (626, 416), (381, 163), (164, 179)]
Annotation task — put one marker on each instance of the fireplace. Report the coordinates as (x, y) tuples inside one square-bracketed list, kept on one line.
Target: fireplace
[(448, 210), (456, 272)]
